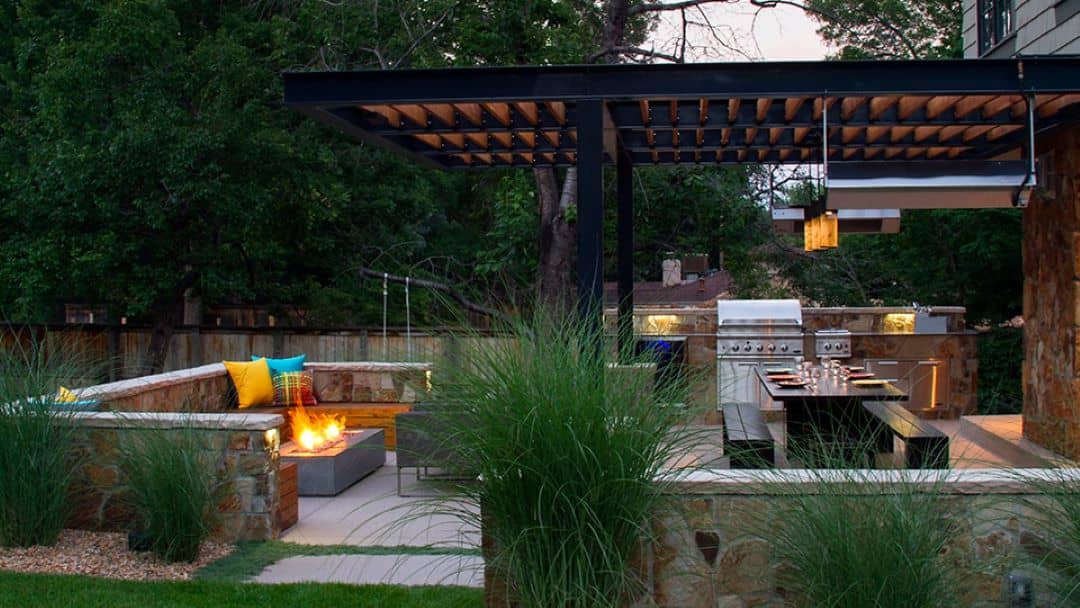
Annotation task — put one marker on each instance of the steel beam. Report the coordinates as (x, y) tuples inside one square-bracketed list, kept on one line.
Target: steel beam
[(680, 81), (624, 185), (590, 211)]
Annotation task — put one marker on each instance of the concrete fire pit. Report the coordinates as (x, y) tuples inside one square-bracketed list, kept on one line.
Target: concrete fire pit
[(328, 471)]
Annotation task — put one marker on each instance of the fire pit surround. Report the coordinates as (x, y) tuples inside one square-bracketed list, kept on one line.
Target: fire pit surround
[(329, 470)]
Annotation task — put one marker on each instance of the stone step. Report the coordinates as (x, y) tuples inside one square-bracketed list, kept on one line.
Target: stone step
[(1002, 434), (410, 570)]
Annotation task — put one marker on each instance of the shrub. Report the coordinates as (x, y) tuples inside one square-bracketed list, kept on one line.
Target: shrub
[(1001, 355), (37, 459), (568, 451), (850, 540), (173, 488), (1053, 550)]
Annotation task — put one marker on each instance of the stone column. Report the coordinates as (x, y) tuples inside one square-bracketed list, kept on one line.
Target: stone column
[(1052, 302)]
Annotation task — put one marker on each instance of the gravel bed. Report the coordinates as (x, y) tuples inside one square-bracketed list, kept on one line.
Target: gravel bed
[(104, 554)]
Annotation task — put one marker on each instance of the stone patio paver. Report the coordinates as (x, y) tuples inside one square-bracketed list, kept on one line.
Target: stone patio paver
[(457, 570)]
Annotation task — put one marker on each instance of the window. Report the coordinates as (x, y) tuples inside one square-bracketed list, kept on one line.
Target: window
[(995, 23)]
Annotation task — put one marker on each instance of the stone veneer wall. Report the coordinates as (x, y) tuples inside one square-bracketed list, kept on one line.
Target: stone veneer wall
[(708, 554), (245, 446), (1051, 246), (711, 545)]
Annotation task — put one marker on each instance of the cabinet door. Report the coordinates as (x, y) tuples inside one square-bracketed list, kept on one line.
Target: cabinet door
[(924, 380)]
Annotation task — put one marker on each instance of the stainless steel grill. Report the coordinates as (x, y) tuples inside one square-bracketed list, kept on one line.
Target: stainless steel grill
[(835, 343), (750, 333)]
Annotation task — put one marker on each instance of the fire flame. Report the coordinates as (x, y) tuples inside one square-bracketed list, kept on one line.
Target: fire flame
[(315, 431)]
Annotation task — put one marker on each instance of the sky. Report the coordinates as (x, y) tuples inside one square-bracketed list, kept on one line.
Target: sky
[(742, 32)]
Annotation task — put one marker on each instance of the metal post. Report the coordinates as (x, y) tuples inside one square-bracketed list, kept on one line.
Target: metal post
[(625, 250), (590, 211)]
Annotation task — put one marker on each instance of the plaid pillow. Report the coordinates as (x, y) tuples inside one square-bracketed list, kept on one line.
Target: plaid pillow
[(293, 388)]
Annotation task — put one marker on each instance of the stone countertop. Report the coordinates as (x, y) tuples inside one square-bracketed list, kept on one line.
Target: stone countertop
[(237, 421)]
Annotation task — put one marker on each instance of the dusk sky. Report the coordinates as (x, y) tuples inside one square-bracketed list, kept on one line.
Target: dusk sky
[(784, 33)]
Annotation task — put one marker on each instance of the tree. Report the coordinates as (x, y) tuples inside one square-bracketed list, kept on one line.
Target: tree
[(145, 155)]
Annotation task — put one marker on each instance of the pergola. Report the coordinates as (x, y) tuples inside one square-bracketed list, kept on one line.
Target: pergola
[(589, 116)]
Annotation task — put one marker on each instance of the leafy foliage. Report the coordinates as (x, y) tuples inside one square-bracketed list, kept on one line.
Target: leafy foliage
[(1001, 357), (891, 29)]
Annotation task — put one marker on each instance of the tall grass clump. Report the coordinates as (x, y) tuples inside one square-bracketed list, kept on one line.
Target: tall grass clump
[(38, 458), (174, 488), (1053, 515), (567, 450), (864, 539)]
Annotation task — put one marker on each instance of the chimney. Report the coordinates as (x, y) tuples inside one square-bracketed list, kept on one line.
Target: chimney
[(672, 272)]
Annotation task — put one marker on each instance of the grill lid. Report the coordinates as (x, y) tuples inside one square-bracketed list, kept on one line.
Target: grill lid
[(741, 313)]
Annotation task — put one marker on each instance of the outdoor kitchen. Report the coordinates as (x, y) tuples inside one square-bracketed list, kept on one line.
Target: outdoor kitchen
[(928, 352)]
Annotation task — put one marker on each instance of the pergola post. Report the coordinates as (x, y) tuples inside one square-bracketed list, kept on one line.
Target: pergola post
[(590, 211), (624, 185)]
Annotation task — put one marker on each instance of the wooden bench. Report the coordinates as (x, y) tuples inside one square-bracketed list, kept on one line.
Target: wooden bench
[(747, 439), (927, 447), (356, 415)]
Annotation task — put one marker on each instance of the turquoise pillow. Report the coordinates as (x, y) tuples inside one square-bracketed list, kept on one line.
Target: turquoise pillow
[(280, 366), (82, 405)]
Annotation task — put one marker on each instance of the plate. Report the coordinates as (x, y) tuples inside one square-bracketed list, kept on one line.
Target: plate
[(877, 382), (772, 371), (792, 383), (783, 378), (860, 375)]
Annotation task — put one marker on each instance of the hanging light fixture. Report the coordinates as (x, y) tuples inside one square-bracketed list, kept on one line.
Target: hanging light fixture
[(830, 231)]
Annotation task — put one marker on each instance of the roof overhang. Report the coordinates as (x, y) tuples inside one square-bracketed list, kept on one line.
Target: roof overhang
[(699, 114)]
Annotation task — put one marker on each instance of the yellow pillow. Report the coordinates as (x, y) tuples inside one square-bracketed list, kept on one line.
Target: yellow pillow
[(65, 396), (252, 380)]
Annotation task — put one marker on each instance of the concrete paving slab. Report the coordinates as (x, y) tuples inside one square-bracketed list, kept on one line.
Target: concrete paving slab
[(371, 513), (412, 570)]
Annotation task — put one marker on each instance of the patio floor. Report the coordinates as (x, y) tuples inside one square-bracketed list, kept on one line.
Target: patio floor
[(371, 514)]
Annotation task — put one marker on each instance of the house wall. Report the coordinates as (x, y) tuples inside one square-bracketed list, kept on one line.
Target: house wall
[(1043, 27)]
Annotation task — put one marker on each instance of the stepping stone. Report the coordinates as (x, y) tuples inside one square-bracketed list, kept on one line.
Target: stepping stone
[(410, 570)]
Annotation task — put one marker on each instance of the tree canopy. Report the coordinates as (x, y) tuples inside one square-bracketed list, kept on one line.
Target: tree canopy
[(145, 155)]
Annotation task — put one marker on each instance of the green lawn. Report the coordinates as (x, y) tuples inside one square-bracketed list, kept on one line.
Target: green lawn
[(249, 559), (21, 590)]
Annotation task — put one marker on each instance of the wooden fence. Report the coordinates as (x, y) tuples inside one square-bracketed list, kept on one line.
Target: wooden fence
[(122, 350)]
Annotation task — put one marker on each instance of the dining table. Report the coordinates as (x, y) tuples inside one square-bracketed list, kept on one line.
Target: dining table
[(827, 409)]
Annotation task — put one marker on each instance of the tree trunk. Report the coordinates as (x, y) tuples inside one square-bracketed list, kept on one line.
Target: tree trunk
[(160, 337), (555, 287), (168, 311)]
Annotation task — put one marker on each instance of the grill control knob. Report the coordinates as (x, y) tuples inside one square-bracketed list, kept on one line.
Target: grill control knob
[(759, 348), (734, 348), (772, 347), (783, 348), (828, 346), (839, 346)]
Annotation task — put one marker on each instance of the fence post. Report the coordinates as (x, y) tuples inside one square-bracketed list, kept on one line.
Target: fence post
[(196, 350), (279, 343), (363, 354), (113, 346)]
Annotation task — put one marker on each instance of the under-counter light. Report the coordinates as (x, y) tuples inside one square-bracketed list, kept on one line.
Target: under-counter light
[(899, 323), (656, 325)]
